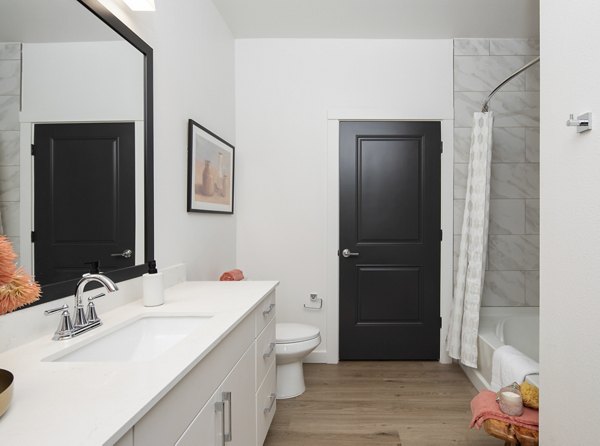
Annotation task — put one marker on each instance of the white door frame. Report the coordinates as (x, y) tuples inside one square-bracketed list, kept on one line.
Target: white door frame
[(447, 217)]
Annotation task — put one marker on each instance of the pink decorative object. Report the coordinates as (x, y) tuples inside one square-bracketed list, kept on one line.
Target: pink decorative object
[(17, 288), (232, 275)]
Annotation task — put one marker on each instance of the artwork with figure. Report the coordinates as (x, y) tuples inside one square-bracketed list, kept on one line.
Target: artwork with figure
[(210, 171)]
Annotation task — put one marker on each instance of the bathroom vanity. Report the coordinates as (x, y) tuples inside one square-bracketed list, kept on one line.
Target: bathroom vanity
[(214, 385)]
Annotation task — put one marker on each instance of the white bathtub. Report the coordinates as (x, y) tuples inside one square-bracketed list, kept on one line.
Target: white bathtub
[(516, 326)]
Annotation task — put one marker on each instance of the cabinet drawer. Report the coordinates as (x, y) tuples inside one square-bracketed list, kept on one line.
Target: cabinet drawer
[(265, 352), (266, 405), (178, 408), (265, 313)]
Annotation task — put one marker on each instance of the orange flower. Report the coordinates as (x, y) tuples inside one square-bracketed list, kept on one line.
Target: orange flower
[(20, 291), (17, 289), (7, 260)]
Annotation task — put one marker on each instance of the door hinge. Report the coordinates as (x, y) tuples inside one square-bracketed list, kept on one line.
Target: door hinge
[(32, 149), (32, 236), (441, 235), (441, 146), (338, 252), (440, 321)]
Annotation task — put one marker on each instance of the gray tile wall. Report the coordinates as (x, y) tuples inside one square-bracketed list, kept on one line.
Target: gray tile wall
[(10, 93), (512, 276)]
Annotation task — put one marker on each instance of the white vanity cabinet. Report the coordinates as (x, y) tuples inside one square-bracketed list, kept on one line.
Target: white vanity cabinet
[(228, 398)]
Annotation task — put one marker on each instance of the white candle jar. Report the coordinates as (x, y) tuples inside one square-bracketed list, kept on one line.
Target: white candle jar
[(510, 400)]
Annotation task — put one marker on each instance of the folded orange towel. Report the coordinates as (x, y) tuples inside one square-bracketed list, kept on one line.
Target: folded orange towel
[(484, 406), (234, 274)]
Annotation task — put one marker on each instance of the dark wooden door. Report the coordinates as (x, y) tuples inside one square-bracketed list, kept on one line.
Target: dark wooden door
[(390, 224), (84, 198)]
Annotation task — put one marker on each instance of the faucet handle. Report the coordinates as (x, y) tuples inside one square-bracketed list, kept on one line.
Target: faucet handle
[(55, 310), (90, 299), (92, 316), (65, 326)]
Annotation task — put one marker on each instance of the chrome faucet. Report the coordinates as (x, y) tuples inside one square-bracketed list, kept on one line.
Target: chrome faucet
[(81, 322)]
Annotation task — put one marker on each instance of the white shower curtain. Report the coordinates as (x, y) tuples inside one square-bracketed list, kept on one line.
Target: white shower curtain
[(461, 342)]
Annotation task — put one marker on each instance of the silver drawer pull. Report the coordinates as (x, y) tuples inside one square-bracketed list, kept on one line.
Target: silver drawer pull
[(269, 309), (227, 399), (272, 399), (270, 352), (220, 407)]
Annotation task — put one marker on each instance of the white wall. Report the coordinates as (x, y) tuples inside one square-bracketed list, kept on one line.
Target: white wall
[(286, 90), (82, 81), (193, 78), (570, 214)]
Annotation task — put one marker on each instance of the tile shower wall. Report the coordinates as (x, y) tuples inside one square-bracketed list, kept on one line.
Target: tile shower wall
[(512, 276), (10, 91)]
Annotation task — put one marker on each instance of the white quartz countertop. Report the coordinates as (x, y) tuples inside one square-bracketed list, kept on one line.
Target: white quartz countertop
[(95, 403)]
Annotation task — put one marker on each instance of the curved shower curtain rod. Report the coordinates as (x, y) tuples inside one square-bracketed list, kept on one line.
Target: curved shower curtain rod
[(505, 81)]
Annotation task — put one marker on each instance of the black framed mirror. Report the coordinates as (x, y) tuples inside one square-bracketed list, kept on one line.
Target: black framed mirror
[(89, 40)]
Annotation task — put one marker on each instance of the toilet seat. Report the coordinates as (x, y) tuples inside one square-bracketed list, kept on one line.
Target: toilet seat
[(289, 332)]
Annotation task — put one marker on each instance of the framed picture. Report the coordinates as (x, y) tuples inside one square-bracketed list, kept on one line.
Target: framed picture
[(210, 171)]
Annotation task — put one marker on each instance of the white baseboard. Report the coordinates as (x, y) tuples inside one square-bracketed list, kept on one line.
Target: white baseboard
[(321, 357)]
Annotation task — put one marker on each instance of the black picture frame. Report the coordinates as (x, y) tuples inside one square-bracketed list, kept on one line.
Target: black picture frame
[(211, 191)]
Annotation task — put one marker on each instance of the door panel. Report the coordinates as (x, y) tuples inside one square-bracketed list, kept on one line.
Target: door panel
[(84, 198), (390, 217), (388, 294), (389, 180)]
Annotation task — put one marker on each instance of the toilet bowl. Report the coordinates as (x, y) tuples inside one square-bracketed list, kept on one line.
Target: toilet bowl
[(293, 343)]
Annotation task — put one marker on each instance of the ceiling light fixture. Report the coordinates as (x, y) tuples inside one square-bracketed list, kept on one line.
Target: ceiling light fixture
[(141, 5)]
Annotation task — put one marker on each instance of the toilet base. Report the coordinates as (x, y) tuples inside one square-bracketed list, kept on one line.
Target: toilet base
[(290, 380)]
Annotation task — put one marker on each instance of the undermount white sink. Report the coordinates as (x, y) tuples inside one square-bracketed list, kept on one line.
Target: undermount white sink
[(140, 340)]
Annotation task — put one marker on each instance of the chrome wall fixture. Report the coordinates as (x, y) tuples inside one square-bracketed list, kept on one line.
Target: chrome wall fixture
[(505, 81), (583, 122), (316, 303)]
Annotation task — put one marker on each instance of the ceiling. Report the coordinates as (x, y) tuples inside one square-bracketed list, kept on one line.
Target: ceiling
[(380, 19), (34, 21)]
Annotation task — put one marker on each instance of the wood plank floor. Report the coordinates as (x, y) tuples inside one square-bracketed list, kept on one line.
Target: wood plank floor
[(379, 404)]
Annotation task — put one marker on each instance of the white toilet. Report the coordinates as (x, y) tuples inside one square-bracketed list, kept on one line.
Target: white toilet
[(293, 343)]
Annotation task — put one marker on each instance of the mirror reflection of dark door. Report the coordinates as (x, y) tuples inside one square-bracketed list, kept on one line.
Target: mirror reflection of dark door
[(84, 198)]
